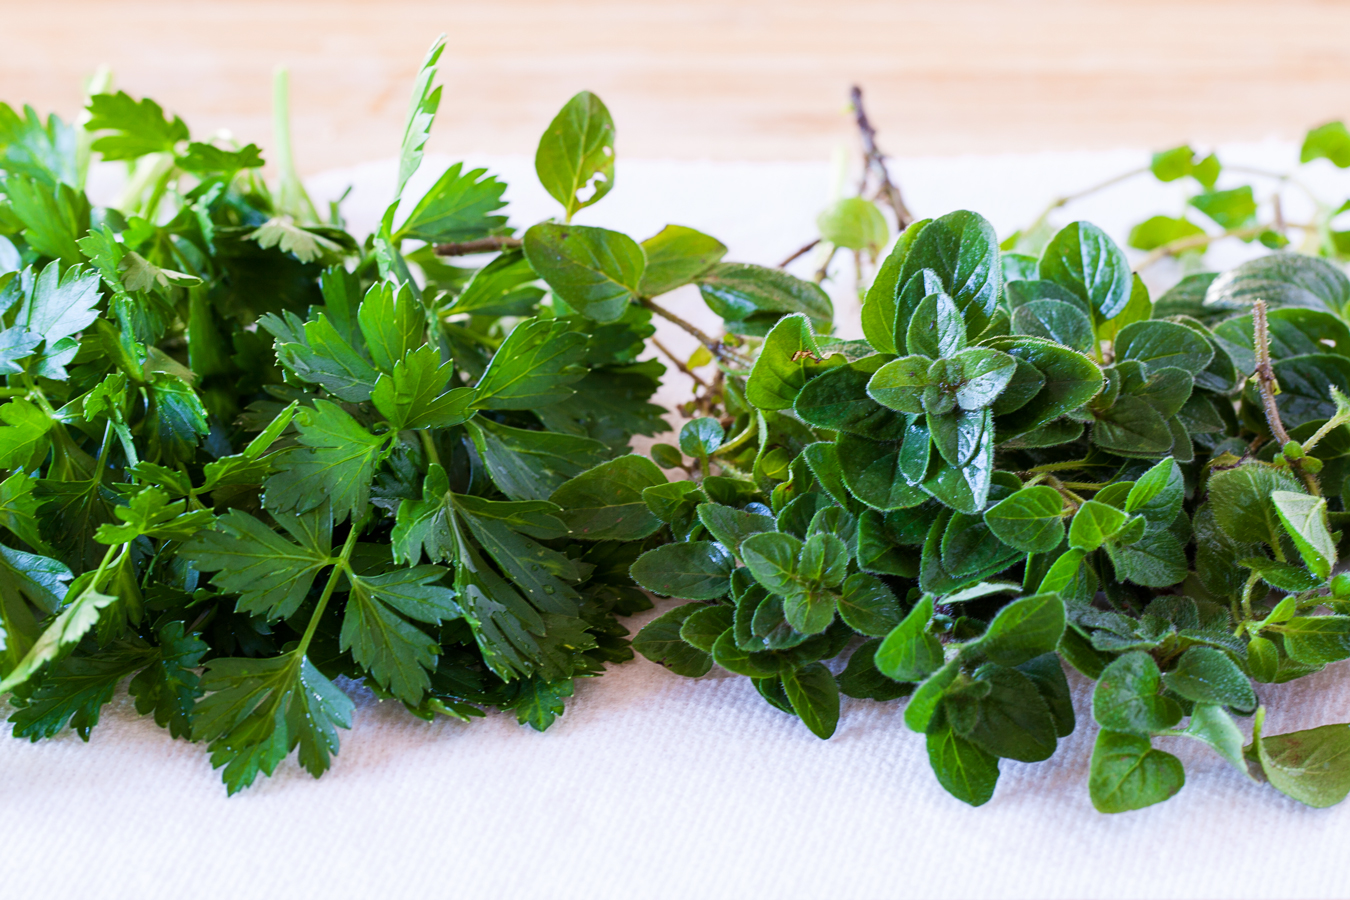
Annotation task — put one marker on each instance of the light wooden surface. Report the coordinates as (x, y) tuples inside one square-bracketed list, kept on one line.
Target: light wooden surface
[(721, 79)]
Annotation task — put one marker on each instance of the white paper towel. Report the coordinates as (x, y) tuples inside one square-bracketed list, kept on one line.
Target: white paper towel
[(657, 786)]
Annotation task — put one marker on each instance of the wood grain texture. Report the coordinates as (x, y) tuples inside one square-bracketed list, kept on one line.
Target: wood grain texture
[(721, 79)]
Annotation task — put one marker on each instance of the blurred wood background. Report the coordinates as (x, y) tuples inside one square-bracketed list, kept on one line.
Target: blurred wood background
[(719, 79)]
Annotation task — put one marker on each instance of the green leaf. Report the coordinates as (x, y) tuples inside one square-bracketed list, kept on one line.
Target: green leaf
[(703, 628), (695, 570), (575, 159), (1024, 629), (868, 607), (258, 710), (138, 127), (415, 395), (879, 307), (1169, 165), (53, 218), (81, 613), (317, 352), (1083, 260), (1093, 525), (393, 323), (909, 652), (732, 526), (1330, 141), (530, 465), (677, 255), (839, 400), (1312, 766), (1127, 697), (394, 651), (787, 360), (596, 271), (1012, 720), (737, 291), (1316, 640), (814, 696), (169, 687), (1241, 502), (964, 770), (961, 249), (535, 366), (1131, 425), (1207, 675), (605, 503), (1056, 321), (984, 373), (872, 472), (1156, 231), (1158, 344), (700, 437), (58, 307), (1281, 279), (1157, 559), (900, 384), (1230, 209), (660, 641), (150, 513), (458, 207), (271, 574), (1211, 724), (507, 286), (1305, 520), (1029, 520), (800, 573), (334, 464), (421, 113), (1070, 380), (75, 690), (936, 329), (23, 436), (1158, 494), (1127, 773), (854, 223)]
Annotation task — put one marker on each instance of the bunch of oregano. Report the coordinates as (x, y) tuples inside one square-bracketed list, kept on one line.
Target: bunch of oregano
[(1027, 463)]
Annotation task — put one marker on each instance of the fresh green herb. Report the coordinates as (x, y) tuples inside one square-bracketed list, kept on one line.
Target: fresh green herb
[(1030, 461), (248, 459)]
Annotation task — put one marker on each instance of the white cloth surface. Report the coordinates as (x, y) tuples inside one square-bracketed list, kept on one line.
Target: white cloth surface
[(658, 786)]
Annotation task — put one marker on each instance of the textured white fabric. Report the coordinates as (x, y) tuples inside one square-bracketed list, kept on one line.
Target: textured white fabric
[(656, 786)]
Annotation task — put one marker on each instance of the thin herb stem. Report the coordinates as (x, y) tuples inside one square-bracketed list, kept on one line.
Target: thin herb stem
[(798, 253), (1198, 241), (873, 158), (679, 364), (340, 566), (1269, 386), (1061, 466), (429, 446), (1078, 195), (480, 245), (738, 440), (718, 349)]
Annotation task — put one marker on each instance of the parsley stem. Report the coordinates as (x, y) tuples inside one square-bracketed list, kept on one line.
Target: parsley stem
[(340, 566), (429, 447)]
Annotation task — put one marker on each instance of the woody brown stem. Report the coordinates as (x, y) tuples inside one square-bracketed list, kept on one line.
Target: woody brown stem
[(481, 245), (718, 349), (874, 158), (679, 364), (1270, 387)]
